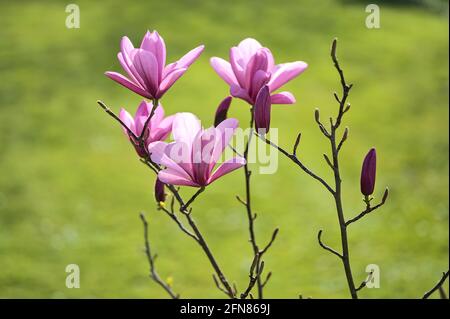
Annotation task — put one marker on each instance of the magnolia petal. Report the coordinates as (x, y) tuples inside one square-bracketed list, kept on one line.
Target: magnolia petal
[(169, 80), (248, 48), (226, 168), (190, 57), (185, 127), (262, 110), (160, 154), (223, 69), (169, 176), (239, 92), (147, 66), (225, 131), (154, 43), (128, 120), (286, 72), (238, 65), (282, 98), (222, 110), (119, 78), (258, 62)]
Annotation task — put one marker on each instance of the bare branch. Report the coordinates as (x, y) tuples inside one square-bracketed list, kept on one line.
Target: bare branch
[(436, 287), (369, 209), (151, 260), (331, 250), (274, 236), (294, 159), (364, 283), (114, 116)]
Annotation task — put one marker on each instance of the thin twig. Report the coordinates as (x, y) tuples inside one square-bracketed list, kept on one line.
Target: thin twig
[(331, 250), (174, 217), (114, 116), (250, 216), (364, 283), (155, 103), (151, 260), (436, 287), (368, 209), (191, 200), (256, 270), (294, 159), (272, 239)]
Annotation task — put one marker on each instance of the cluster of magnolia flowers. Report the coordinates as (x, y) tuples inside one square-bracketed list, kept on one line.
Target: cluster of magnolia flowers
[(193, 156), (190, 160)]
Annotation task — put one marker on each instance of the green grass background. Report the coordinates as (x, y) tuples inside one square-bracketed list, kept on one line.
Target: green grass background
[(71, 186)]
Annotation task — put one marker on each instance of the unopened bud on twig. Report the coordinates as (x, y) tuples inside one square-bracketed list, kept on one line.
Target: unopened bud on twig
[(160, 195), (317, 115), (344, 137), (368, 173), (222, 110)]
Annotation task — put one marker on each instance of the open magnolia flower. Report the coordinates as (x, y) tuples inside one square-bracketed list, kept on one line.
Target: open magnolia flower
[(158, 128), (190, 160), (148, 74), (251, 67)]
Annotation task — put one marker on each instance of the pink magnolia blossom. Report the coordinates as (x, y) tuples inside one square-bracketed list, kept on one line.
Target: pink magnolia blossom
[(158, 128), (190, 160), (148, 74), (251, 67)]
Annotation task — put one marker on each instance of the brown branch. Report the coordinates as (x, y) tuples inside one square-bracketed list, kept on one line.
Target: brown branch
[(331, 250), (247, 203), (294, 159), (437, 286), (115, 117), (256, 270), (272, 239), (174, 217), (151, 260), (369, 209), (364, 283)]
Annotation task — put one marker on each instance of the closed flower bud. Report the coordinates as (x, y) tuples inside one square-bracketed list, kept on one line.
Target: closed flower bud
[(368, 173), (317, 115), (222, 110), (160, 195), (262, 110)]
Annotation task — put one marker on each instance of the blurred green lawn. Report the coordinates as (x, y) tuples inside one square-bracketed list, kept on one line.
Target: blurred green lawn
[(71, 186)]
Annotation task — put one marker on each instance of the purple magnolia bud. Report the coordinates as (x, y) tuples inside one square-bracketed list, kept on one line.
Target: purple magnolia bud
[(262, 110), (222, 110), (368, 172), (160, 195)]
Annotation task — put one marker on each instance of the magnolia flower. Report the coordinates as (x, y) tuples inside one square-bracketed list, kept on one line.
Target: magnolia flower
[(191, 158), (251, 67), (148, 74), (262, 110), (368, 173), (158, 128)]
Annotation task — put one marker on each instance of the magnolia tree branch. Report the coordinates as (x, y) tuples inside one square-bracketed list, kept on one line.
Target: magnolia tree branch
[(369, 209), (251, 219), (151, 260), (438, 286), (186, 211), (184, 206), (332, 161)]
